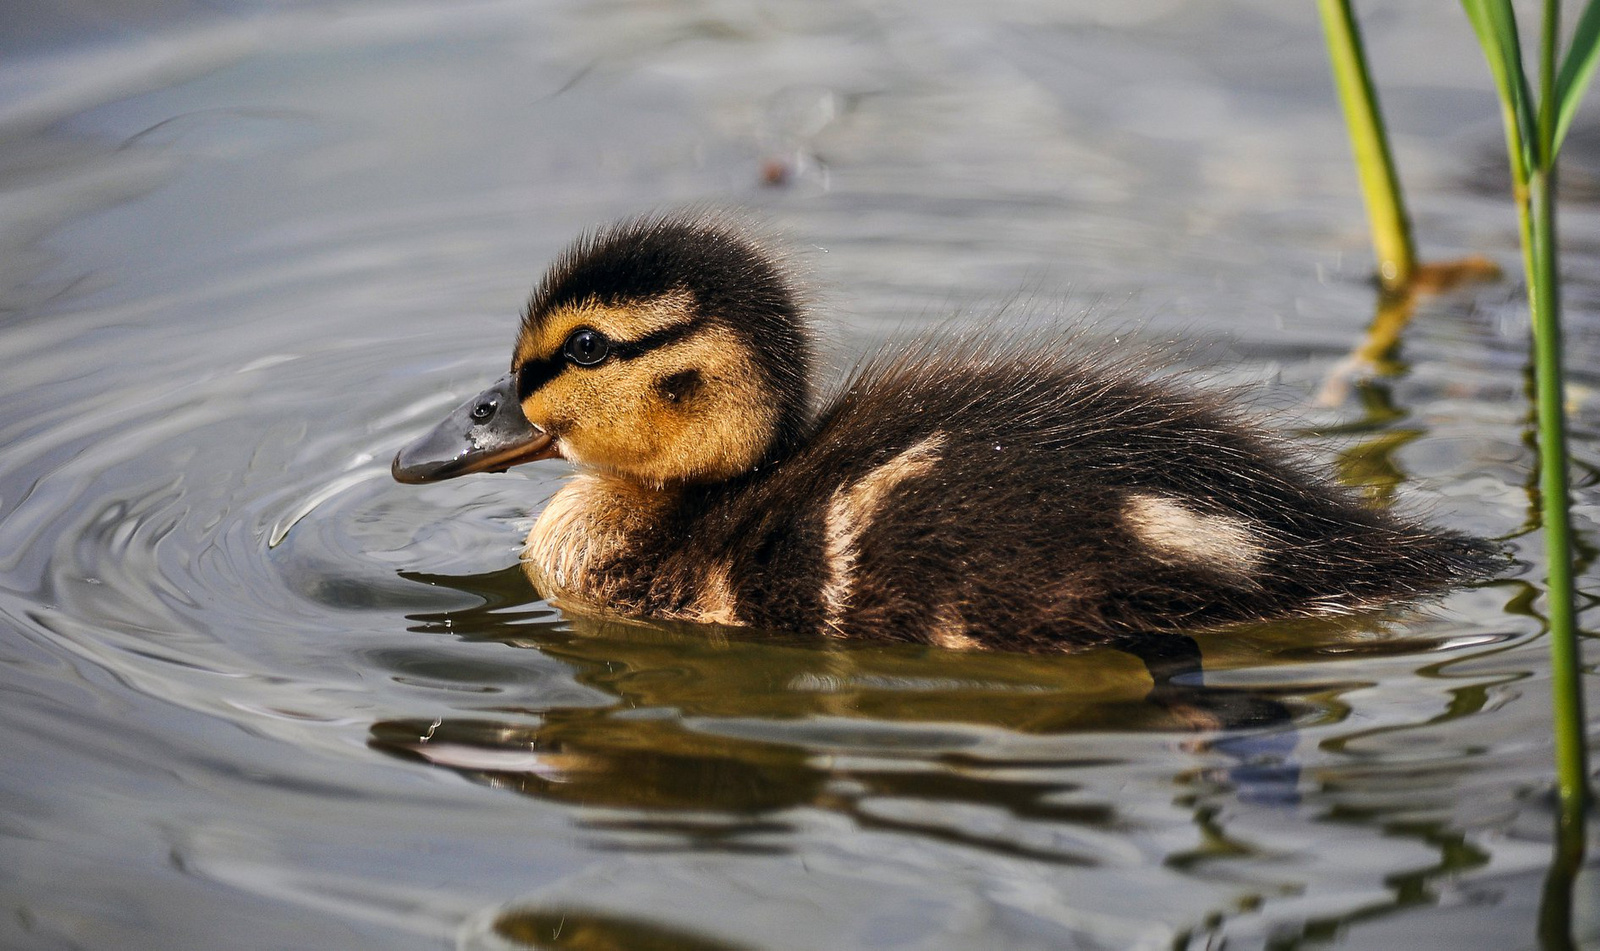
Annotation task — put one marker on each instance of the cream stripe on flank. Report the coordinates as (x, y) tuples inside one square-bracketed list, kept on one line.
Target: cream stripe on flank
[(850, 513), (715, 602), (949, 630), (1177, 534)]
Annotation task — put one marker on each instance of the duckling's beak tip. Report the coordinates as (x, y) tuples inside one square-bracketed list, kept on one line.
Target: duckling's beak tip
[(405, 473), (487, 433)]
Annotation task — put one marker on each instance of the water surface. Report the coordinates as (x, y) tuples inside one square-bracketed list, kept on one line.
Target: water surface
[(260, 696)]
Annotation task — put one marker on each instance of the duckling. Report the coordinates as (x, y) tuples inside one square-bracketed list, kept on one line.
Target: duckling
[(981, 494)]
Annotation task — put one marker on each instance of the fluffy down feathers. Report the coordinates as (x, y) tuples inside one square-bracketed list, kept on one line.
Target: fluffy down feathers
[(963, 493), (1014, 495)]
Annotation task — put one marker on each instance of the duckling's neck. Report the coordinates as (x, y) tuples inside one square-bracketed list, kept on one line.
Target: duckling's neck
[(590, 525), (603, 539)]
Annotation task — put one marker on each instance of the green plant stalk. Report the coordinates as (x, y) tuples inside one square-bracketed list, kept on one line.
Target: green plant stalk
[(1566, 682), (1520, 174), (1380, 186), (1532, 139), (1544, 299)]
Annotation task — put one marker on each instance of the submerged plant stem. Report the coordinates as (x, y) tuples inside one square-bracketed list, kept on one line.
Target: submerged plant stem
[(1386, 211)]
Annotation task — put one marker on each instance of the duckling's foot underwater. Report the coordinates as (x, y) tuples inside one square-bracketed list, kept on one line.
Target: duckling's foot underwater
[(968, 494)]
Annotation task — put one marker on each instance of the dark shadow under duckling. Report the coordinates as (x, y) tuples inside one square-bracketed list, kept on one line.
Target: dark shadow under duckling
[(968, 494)]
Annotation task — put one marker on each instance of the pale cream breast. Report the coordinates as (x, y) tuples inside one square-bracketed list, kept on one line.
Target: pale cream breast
[(588, 523), (592, 522)]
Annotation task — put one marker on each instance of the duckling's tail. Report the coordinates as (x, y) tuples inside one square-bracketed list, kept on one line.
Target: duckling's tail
[(1391, 564)]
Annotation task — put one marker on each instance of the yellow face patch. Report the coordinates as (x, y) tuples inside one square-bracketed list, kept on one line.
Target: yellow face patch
[(628, 321), (693, 408)]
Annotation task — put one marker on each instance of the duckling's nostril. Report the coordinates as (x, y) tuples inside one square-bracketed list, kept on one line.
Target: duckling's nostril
[(485, 409)]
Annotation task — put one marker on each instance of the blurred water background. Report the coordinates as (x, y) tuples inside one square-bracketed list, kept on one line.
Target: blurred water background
[(259, 696)]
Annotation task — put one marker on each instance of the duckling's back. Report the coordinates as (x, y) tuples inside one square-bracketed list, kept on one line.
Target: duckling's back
[(1015, 497)]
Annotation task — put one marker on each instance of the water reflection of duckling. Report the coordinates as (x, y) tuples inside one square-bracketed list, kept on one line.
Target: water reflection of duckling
[(977, 494)]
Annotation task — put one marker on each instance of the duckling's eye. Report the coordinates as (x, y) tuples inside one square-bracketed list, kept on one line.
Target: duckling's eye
[(586, 347)]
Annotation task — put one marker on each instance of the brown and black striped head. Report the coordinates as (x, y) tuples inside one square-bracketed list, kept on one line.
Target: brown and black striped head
[(665, 350)]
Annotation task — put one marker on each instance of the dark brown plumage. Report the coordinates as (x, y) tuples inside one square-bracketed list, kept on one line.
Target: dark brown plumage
[(965, 494)]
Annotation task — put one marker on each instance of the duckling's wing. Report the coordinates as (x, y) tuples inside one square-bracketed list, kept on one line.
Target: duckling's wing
[(1021, 494)]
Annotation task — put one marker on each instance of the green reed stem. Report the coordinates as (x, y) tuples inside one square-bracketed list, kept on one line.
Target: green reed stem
[(1566, 687), (1380, 185), (1534, 129), (1544, 297), (1566, 683), (1532, 144)]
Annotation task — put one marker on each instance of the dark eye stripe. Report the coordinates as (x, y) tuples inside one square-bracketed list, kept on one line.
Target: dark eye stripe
[(536, 373), (629, 349)]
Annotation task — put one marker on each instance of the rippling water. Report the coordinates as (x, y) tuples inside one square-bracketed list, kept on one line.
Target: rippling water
[(259, 696)]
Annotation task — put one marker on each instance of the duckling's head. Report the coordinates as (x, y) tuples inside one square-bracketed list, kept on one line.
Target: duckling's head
[(665, 350)]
